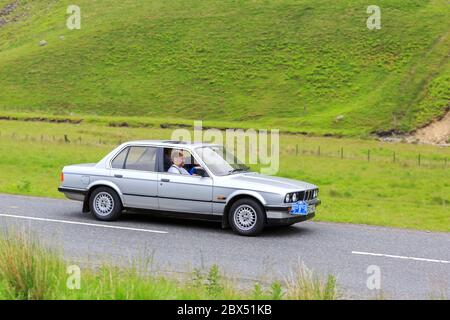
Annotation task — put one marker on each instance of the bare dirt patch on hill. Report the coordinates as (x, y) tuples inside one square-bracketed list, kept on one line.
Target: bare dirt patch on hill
[(437, 132), (6, 13)]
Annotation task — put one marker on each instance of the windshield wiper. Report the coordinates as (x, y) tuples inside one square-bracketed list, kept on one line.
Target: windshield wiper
[(237, 170)]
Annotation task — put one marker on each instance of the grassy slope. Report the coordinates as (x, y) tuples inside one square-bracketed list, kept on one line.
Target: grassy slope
[(378, 192), (287, 64)]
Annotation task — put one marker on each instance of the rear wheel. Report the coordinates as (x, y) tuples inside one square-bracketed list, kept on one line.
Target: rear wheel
[(246, 217), (105, 204)]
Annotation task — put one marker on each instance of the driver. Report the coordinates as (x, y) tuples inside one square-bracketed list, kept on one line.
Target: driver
[(177, 158)]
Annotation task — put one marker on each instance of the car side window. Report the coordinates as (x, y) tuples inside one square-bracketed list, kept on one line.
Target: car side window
[(119, 160), (189, 160), (141, 158)]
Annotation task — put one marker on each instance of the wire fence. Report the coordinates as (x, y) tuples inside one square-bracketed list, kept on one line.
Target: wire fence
[(60, 139), (339, 152), (419, 159)]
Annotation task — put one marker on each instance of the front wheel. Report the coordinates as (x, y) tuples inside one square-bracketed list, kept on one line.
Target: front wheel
[(247, 217), (105, 204)]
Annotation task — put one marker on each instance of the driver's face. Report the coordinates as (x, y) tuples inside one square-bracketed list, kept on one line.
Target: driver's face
[(179, 160)]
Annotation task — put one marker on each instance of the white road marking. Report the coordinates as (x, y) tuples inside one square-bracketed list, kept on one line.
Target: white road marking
[(399, 257), (81, 223), (13, 207)]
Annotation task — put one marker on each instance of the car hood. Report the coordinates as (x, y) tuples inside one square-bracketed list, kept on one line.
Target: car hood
[(260, 182)]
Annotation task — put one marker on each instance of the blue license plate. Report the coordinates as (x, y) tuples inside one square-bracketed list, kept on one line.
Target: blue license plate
[(300, 208)]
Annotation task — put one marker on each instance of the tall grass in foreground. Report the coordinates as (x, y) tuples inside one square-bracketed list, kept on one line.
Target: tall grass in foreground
[(29, 270), (304, 284)]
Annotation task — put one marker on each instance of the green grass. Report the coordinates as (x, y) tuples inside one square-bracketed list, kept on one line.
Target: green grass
[(31, 271), (290, 64), (379, 192)]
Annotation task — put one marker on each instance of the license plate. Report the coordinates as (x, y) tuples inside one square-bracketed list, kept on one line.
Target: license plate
[(301, 208)]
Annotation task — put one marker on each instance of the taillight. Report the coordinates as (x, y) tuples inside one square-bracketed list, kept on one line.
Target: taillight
[(62, 176)]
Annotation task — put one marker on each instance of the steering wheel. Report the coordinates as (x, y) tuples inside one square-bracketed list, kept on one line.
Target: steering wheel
[(193, 170)]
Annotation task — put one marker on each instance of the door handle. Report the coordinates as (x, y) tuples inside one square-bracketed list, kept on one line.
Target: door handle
[(165, 180), (118, 176)]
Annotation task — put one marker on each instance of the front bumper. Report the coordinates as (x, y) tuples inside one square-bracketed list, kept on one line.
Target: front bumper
[(280, 215), (289, 220)]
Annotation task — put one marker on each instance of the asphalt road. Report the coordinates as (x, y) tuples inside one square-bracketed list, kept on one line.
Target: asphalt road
[(413, 264)]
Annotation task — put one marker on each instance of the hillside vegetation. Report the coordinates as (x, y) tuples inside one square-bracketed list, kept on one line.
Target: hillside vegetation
[(298, 64)]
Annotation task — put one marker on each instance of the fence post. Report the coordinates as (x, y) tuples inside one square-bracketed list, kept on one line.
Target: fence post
[(419, 159), (445, 163), (394, 157), (368, 155), (318, 151), (342, 152), (296, 149)]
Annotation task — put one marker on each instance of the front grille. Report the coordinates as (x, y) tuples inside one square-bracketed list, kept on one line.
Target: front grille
[(306, 195)]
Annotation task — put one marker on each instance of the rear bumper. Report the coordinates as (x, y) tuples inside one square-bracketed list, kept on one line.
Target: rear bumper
[(73, 194)]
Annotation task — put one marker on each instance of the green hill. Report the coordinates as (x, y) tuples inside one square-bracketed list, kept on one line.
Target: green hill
[(288, 64)]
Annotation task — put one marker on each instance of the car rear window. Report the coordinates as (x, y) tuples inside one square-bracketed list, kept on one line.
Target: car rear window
[(141, 158), (119, 160)]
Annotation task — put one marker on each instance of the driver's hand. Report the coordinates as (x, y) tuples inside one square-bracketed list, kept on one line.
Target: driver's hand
[(196, 167)]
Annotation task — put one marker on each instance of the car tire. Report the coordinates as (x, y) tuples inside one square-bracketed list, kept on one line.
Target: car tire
[(105, 204), (247, 217)]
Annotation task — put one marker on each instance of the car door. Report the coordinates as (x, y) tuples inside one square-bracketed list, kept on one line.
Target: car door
[(133, 171), (184, 193)]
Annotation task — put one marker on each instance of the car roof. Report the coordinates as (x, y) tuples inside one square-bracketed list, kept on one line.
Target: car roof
[(170, 143)]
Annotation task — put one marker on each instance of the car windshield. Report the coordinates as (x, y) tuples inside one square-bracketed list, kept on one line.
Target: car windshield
[(220, 161)]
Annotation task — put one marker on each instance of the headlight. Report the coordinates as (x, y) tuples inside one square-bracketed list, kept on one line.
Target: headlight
[(294, 197), (288, 198)]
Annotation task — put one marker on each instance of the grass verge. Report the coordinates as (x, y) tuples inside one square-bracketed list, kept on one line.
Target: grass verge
[(29, 270)]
